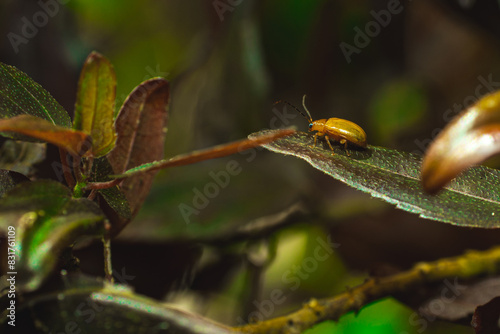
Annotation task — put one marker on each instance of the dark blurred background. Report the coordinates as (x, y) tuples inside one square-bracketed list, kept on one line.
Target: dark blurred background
[(399, 69)]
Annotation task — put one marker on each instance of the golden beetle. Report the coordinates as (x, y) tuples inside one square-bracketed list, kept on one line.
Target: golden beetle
[(338, 129)]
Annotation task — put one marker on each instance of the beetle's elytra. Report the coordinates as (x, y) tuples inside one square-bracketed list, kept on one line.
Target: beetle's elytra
[(338, 129)]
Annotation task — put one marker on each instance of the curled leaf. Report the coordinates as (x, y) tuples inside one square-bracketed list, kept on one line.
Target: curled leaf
[(472, 137), (95, 103), (20, 95), (47, 221), (75, 142)]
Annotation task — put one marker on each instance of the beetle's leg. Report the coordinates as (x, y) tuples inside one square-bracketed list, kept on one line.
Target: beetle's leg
[(315, 138), (344, 142), (329, 144)]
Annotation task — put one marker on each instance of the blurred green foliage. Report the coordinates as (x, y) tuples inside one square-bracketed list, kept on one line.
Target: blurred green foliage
[(395, 109)]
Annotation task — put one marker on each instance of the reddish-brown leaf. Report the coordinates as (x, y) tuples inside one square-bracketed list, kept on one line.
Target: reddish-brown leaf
[(75, 142), (141, 127)]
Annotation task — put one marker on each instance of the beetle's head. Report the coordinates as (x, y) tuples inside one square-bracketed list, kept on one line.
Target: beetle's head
[(317, 125)]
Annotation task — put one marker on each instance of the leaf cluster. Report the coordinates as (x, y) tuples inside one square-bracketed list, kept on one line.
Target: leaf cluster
[(106, 171)]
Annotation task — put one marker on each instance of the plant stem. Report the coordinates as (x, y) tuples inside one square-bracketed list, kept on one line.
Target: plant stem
[(77, 170), (87, 167), (92, 194), (108, 267), (471, 264), (66, 170), (103, 185), (79, 189)]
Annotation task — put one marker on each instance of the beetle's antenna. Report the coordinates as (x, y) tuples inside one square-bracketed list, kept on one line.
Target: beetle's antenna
[(305, 108), (309, 119)]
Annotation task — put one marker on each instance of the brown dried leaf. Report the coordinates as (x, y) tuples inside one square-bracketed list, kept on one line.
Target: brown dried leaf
[(75, 142)]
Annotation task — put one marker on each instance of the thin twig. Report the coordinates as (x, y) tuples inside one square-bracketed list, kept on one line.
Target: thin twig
[(77, 169), (103, 185), (214, 152), (106, 241), (87, 168), (92, 194)]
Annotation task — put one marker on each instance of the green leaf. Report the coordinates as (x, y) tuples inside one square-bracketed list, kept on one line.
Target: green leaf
[(93, 307), (75, 142), (117, 205), (117, 201), (20, 95), (47, 220), (471, 200), (95, 103)]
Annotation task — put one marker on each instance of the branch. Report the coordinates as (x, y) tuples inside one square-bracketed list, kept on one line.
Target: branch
[(468, 265)]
